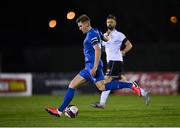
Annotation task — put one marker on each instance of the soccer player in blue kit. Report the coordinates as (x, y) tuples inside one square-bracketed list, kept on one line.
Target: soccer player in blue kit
[(93, 70)]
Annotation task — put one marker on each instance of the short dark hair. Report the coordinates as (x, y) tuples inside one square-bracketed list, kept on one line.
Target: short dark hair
[(110, 16), (82, 18)]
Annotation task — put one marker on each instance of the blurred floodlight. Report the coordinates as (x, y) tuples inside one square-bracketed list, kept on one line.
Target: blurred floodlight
[(173, 19), (70, 15), (52, 23)]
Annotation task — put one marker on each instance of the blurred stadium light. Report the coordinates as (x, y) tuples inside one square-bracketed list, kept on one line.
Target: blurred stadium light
[(71, 15), (52, 23), (173, 19)]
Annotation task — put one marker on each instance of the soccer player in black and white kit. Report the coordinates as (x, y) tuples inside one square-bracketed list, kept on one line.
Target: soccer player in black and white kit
[(116, 47)]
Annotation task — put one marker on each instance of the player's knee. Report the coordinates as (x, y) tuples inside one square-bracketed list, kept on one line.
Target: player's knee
[(101, 85), (108, 79), (101, 88), (72, 85)]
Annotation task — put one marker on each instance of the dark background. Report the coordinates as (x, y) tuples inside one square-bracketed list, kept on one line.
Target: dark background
[(29, 45)]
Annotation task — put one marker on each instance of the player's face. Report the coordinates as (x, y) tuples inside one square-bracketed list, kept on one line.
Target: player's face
[(83, 26), (111, 24)]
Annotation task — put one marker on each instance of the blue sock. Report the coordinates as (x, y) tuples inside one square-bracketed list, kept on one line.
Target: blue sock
[(117, 85), (67, 99)]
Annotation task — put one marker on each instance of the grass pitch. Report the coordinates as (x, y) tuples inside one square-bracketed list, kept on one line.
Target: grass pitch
[(121, 111)]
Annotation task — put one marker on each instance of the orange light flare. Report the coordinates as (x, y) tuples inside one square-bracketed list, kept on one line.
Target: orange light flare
[(173, 19), (52, 23), (70, 15)]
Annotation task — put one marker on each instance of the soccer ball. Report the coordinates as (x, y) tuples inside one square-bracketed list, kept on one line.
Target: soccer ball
[(71, 111)]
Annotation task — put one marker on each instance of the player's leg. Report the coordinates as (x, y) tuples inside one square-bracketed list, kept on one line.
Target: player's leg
[(104, 95), (114, 85), (113, 72), (133, 85), (144, 93), (102, 86), (78, 80)]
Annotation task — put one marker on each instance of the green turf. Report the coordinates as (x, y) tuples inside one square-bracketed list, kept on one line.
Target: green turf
[(124, 110)]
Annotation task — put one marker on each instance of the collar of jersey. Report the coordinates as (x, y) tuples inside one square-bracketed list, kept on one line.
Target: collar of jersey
[(89, 30)]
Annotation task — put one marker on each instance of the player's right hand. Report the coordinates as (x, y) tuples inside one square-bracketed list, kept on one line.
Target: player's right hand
[(93, 71)]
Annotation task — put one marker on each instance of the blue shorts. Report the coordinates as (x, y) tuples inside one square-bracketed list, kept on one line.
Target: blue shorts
[(85, 73)]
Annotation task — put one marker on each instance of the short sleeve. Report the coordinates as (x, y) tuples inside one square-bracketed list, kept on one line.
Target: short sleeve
[(94, 41)]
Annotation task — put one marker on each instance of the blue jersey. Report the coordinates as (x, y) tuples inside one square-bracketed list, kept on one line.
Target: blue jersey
[(93, 38)]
